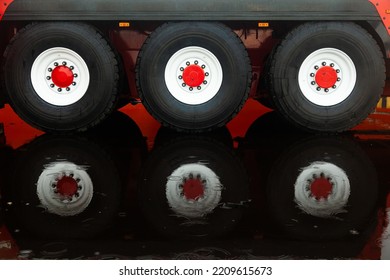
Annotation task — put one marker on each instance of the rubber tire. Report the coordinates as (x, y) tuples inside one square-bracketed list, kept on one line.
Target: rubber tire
[(166, 41), (362, 202), (85, 40), (188, 150), (31, 217), (301, 42)]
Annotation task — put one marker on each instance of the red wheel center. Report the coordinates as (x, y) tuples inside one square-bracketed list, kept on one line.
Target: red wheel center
[(67, 186), (193, 75), (193, 189), (321, 188), (62, 76), (326, 77)]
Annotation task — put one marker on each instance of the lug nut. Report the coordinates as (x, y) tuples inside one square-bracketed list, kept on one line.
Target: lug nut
[(74, 83), (316, 67), (59, 89), (206, 74), (64, 63), (183, 84), (332, 65), (49, 69), (180, 77), (318, 88), (68, 89), (196, 62), (323, 63), (188, 63), (51, 85), (313, 83), (203, 66), (191, 88), (48, 78), (55, 63), (199, 87), (312, 74), (181, 69), (205, 82)]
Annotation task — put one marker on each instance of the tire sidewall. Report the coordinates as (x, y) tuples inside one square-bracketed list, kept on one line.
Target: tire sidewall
[(78, 38), (341, 36), (218, 41)]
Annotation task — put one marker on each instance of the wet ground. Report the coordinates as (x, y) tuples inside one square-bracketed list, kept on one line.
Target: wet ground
[(256, 189)]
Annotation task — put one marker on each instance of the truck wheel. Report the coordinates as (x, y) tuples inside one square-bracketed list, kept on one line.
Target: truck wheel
[(327, 76), (61, 76), (193, 76)]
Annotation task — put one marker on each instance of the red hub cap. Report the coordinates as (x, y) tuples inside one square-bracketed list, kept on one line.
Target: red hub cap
[(193, 75), (321, 188), (62, 76), (326, 77), (67, 186), (193, 189)]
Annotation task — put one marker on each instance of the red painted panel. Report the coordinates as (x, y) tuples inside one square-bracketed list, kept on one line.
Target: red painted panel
[(3, 7), (383, 7)]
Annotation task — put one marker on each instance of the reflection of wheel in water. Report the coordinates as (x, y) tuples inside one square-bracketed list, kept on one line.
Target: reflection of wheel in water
[(322, 188), (193, 187), (64, 187)]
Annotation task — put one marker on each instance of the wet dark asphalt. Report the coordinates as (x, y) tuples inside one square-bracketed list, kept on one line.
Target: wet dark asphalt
[(253, 190)]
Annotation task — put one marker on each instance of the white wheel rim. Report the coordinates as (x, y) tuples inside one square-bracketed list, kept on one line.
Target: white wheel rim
[(64, 204), (338, 77), (327, 205), (205, 87), (55, 93), (191, 207)]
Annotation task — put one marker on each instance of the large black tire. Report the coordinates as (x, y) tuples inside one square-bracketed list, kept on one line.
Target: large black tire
[(61, 98), (176, 51), (340, 93)]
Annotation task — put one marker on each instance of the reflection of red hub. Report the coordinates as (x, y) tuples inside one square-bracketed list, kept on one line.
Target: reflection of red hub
[(193, 75), (67, 186), (321, 188), (193, 189), (326, 77), (62, 76)]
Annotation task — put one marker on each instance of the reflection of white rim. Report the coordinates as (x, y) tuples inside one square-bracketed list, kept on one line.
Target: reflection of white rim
[(340, 71), (212, 189), (335, 201), (209, 83), (42, 76), (56, 203)]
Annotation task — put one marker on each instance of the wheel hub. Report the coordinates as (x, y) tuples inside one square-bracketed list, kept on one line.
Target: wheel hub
[(326, 77), (67, 187), (193, 189), (321, 188), (193, 75), (62, 76)]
